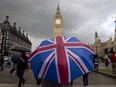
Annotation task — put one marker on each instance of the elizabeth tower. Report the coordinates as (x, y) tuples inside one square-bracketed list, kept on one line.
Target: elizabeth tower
[(58, 23)]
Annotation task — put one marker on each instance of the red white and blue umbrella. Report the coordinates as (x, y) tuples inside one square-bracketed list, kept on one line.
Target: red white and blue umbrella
[(61, 59)]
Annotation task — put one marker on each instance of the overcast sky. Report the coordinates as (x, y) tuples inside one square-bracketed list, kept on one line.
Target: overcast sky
[(81, 18)]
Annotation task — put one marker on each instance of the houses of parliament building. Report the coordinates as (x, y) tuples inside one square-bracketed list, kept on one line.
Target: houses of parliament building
[(100, 48), (10, 37)]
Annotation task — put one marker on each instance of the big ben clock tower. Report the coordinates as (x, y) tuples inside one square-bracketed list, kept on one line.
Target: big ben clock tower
[(58, 23)]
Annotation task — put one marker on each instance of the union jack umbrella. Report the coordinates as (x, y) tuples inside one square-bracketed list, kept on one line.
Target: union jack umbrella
[(61, 59)]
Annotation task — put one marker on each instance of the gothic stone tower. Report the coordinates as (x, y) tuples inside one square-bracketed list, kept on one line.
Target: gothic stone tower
[(114, 49), (58, 22), (97, 43)]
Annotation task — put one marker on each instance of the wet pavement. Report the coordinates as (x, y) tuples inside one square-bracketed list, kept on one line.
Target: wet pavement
[(30, 85), (95, 80)]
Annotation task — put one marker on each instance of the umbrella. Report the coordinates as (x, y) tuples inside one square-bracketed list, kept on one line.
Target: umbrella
[(20, 49), (15, 58), (61, 59)]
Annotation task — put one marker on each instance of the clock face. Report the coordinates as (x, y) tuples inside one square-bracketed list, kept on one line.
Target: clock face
[(58, 21)]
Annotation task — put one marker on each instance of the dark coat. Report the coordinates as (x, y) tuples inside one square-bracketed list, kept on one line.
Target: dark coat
[(113, 58), (1, 59), (22, 65)]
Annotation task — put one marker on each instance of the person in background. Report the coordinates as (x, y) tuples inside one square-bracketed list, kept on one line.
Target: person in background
[(21, 66), (113, 61), (38, 80), (71, 83), (1, 62), (106, 61), (9, 62), (85, 79)]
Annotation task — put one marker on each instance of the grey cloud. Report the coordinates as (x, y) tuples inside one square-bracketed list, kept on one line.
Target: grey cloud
[(80, 18)]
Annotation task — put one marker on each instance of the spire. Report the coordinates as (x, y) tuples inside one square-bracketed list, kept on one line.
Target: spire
[(115, 24), (58, 9), (58, 14), (115, 31), (96, 35)]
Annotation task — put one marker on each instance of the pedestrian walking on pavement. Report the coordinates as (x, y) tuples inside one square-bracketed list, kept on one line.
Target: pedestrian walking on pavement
[(106, 62), (9, 62), (85, 79), (1, 62), (71, 83), (38, 80), (21, 66), (113, 61)]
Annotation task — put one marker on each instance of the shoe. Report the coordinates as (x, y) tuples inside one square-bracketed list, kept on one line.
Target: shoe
[(23, 81)]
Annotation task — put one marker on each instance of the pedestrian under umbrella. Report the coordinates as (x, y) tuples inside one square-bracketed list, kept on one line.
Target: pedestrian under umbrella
[(62, 58)]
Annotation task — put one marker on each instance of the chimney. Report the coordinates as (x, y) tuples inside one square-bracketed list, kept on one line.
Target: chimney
[(7, 18), (23, 31), (26, 35), (19, 28), (14, 25)]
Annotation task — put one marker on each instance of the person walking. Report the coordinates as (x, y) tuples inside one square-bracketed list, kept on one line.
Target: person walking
[(21, 66), (8, 62), (113, 61), (38, 80), (85, 79), (1, 62), (106, 62)]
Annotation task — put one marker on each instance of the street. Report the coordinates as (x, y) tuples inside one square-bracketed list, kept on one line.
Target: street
[(97, 79), (94, 78)]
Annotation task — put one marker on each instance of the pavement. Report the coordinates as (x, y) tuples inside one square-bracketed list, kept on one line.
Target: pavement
[(32, 85), (107, 74), (13, 83), (102, 66)]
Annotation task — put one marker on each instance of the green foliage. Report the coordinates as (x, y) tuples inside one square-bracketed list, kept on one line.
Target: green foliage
[(101, 58)]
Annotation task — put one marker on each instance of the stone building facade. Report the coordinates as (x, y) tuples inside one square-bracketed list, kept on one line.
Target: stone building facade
[(11, 37), (102, 48)]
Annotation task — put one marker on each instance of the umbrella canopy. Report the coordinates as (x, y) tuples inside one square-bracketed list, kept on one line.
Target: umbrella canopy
[(19, 49), (61, 59), (15, 58)]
